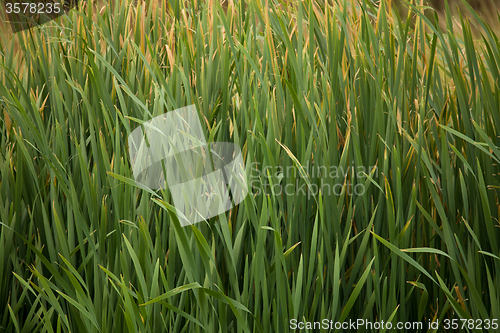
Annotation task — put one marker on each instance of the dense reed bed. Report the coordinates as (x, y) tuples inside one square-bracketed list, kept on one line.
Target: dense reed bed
[(371, 148)]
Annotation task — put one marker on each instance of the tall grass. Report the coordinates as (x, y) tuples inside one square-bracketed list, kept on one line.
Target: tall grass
[(293, 84)]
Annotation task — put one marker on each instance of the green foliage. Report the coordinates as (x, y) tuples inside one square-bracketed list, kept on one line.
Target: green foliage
[(341, 84)]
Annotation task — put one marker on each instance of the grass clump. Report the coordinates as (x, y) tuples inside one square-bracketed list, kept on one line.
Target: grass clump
[(407, 110)]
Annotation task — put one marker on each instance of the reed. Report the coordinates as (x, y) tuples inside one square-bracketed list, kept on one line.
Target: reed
[(411, 101)]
